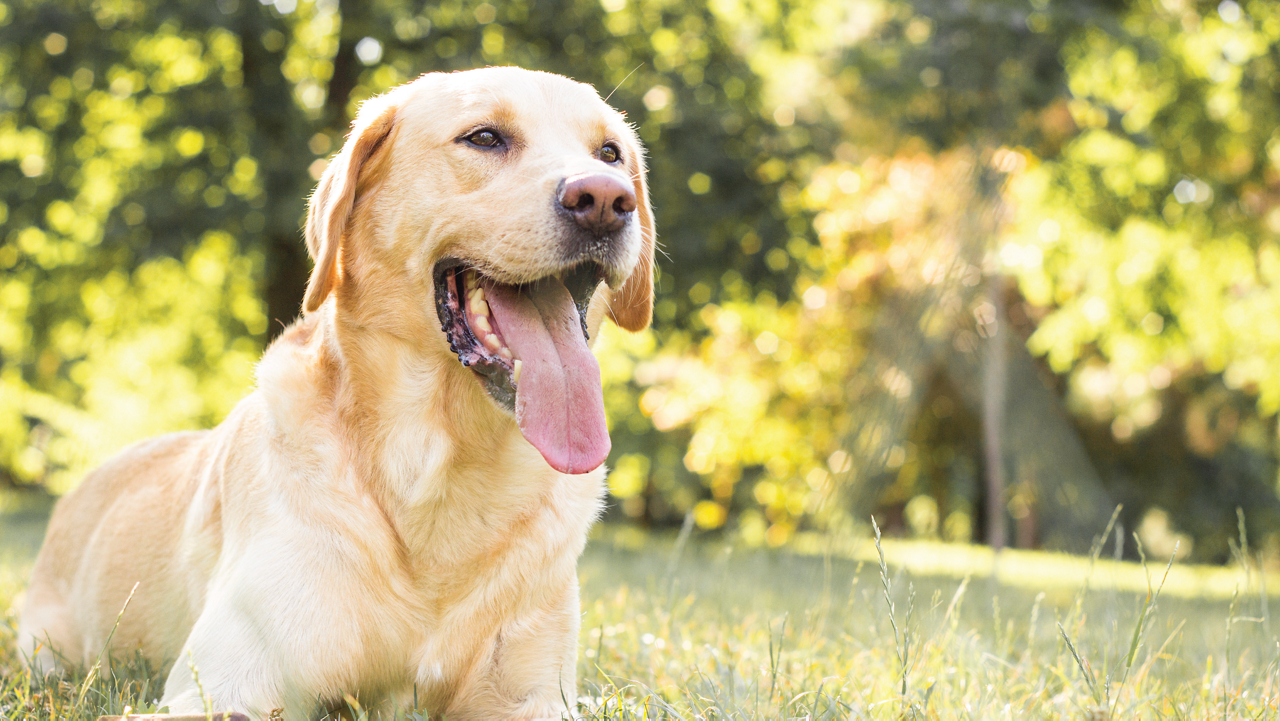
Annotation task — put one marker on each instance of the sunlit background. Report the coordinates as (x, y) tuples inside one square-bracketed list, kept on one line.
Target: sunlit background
[(982, 269)]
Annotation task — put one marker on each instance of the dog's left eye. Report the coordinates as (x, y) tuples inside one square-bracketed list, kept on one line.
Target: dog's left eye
[(610, 153), (485, 139)]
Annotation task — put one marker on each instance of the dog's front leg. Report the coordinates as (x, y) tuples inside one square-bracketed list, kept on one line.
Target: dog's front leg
[(531, 672), (225, 666)]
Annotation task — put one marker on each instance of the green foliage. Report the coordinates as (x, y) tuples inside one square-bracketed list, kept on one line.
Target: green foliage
[(162, 348), (143, 141), (128, 307), (1136, 219), (838, 188), (771, 393), (1150, 239)]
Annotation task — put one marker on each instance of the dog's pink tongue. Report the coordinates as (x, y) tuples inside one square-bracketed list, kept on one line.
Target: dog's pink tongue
[(559, 404)]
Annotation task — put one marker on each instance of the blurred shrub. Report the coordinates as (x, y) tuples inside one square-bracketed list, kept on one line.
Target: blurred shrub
[(772, 393), (167, 347)]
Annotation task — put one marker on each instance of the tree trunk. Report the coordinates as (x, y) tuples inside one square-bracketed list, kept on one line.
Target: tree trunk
[(280, 147), (994, 383)]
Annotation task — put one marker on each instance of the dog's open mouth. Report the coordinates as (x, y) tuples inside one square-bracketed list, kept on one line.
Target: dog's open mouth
[(527, 343)]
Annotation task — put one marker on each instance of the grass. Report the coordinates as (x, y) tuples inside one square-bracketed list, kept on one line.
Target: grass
[(708, 631)]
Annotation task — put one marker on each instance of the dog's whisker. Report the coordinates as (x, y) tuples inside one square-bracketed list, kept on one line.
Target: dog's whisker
[(624, 80)]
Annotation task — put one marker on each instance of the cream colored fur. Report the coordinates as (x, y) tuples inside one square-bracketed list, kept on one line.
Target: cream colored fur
[(367, 521)]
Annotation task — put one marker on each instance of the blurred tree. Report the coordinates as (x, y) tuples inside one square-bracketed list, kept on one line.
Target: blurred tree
[(122, 154), (133, 134), (899, 80), (1150, 244)]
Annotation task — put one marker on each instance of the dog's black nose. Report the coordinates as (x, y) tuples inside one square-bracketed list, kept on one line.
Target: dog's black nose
[(601, 203)]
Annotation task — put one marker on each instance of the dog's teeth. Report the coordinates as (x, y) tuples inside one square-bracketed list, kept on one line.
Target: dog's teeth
[(515, 371), (491, 341), (482, 323), (505, 353), (479, 307)]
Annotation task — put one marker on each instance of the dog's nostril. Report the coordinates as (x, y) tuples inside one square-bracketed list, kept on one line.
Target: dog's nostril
[(624, 204), (585, 202)]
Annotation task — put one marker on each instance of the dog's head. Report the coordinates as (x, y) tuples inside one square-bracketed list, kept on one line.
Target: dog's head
[(509, 207)]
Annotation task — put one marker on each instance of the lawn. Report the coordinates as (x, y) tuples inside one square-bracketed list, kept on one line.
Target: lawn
[(697, 628)]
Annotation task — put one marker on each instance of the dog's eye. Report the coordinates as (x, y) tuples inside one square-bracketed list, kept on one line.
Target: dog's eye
[(485, 139), (610, 153)]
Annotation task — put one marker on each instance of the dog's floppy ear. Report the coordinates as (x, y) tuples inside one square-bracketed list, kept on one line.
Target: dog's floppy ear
[(334, 198), (632, 306)]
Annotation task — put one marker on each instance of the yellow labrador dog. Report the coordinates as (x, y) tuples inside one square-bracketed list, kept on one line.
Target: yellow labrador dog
[(397, 510)]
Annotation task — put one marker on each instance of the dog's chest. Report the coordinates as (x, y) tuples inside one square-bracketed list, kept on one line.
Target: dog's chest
[(479, 569)]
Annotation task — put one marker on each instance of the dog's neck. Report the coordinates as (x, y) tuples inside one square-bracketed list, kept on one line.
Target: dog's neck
[(424, 429)]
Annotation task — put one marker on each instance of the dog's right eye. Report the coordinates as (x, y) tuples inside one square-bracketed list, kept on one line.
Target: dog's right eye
[(485, 139)]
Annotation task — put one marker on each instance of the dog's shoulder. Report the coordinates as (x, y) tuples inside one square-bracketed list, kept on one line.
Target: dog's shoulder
[(297, 375)]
